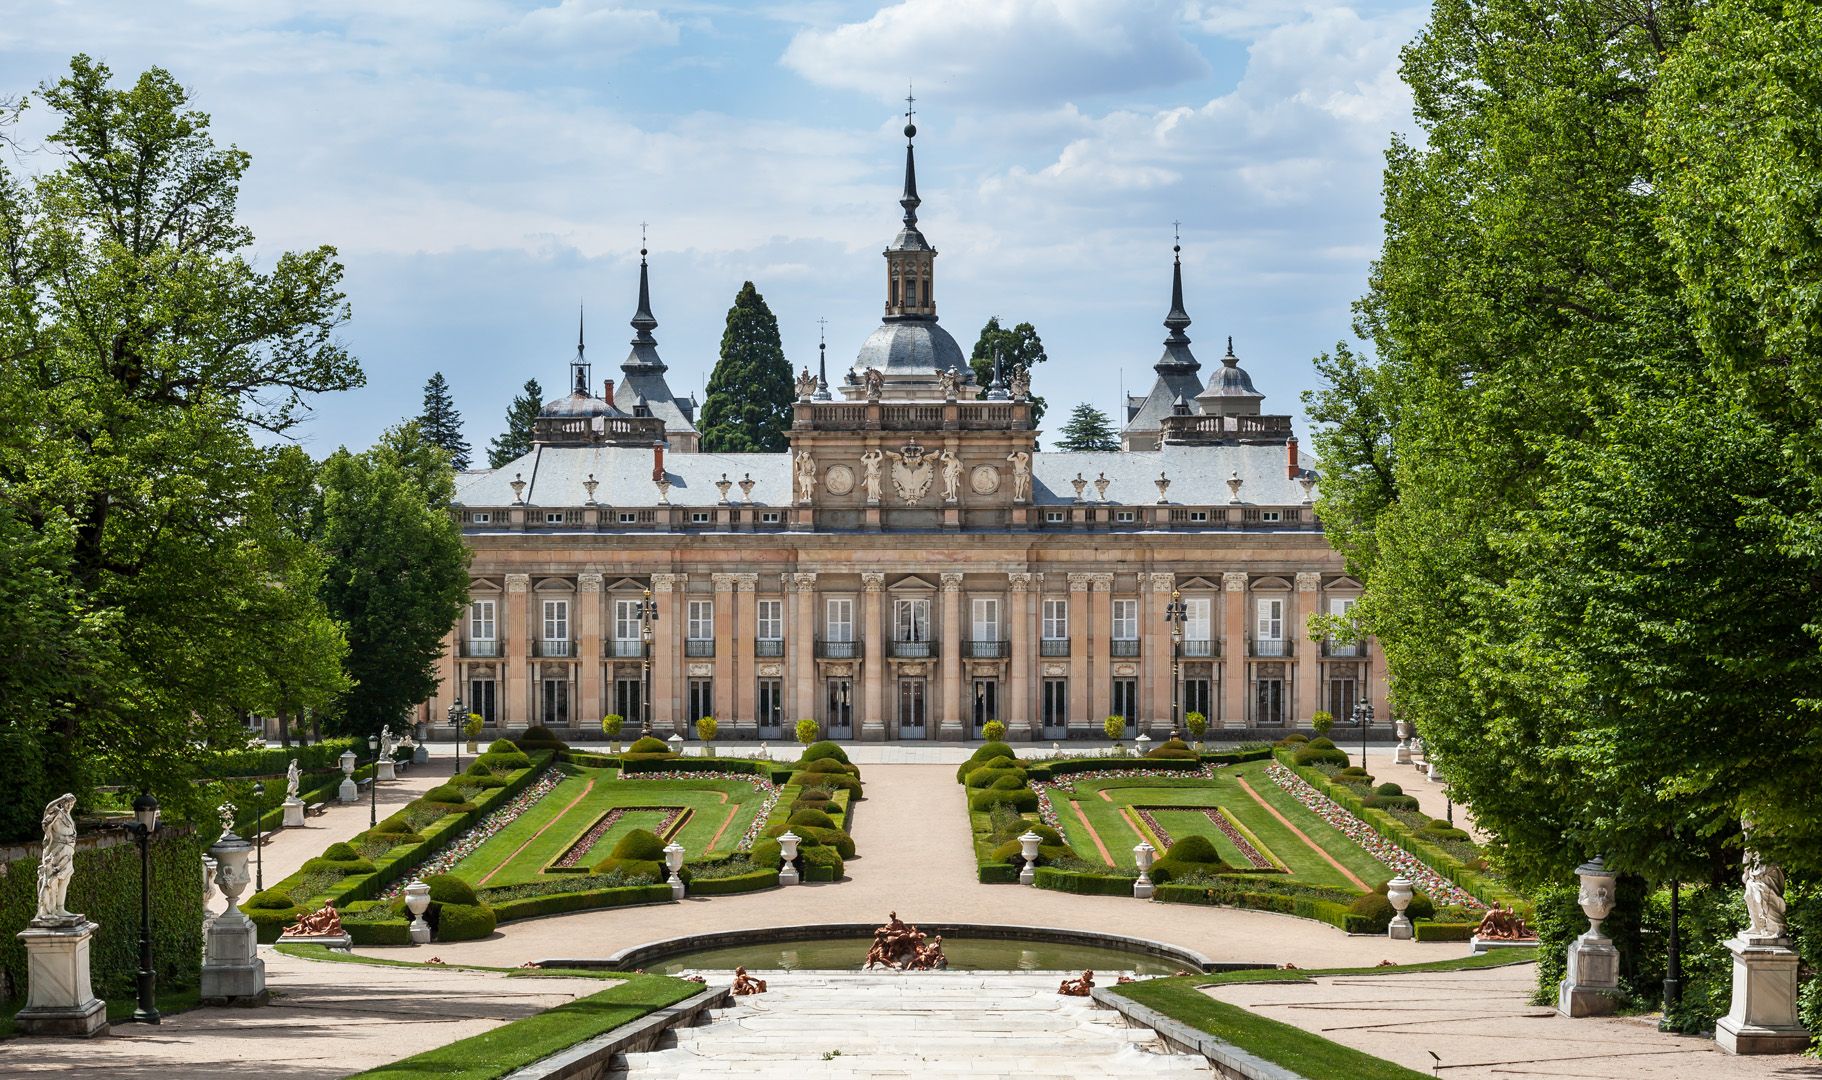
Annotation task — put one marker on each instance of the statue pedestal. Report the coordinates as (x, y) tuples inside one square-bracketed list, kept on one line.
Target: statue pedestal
[(294, 813), (1592, 985), (348, 792), (421, 755), (1403, 756), (341, 942), (788, 875), (1763, 1019), (1400, 928), (59, 999), (386, 770), (232, 972)]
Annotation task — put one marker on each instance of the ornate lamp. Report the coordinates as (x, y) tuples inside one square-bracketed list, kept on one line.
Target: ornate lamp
[(648, 614), (673, 860), (1142, 855), (456, 716), (145, 823), (787, 848), (1175, 614), (1028, 850)]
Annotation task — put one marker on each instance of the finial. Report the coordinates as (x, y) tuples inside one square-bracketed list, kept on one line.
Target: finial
[(579, 340), (642, 244), (910, 111), (822, 362), (1230, 344), (1176, 229)]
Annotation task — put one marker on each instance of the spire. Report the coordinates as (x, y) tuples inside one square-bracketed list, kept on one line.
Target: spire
[(997, 391), (644, 356), (1178, 319), (578, 368), (822, 362), (910, 201)]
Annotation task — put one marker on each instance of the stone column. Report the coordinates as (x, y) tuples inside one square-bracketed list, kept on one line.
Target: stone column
[(666, 589), (1154, 649), (953, 724), (1233, 650), (1082, 718), (725, 709), (1021, 643), (742, 718), (1100, 652), (1304, 675), (803, 652), (873, 717), (589, 706), (515, 704)]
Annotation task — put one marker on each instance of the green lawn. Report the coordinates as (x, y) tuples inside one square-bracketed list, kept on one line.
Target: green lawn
[(520, 851), (1305, 866)]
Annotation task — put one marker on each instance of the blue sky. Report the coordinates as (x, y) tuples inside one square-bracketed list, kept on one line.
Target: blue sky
[(483, 167)]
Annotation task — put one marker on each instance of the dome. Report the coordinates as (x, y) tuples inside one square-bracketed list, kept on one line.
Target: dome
[(914, 347), (1229, 380), (579, 404)]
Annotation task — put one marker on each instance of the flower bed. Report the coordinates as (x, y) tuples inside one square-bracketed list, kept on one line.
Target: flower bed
[(759, 783), (1441, 890), (480, 832), (1247, 851), (1047, 813), (577, 851)]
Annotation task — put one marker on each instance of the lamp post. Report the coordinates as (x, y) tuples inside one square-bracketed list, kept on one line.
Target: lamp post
[(373, 783), (648, 614), (1174, 615), (1673, 968), (145, 823), (1363, 715), (455, 730), (259, 851)]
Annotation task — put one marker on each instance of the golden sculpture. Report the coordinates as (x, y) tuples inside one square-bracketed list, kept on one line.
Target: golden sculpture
[(1503, 924), (745, 984), (905, 948), (324, 923), (1077, 987)]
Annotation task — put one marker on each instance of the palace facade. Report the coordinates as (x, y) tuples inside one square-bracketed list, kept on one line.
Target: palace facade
[(913, 566)]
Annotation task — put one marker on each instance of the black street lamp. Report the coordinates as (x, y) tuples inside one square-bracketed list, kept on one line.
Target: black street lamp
[(455, 730), (1174, 615), (259, 851), (373, 783), (1673, 970), (648, 614), (1363, 715), (145, 823)]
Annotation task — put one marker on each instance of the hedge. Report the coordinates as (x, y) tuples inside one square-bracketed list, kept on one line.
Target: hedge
[(105, 887), (631, 765), (267, 762), (1049, 770), (1072, 881), (1023, 800), (531, 907), (1445, 931), (1328, 911), (740, 883), (991, 873)]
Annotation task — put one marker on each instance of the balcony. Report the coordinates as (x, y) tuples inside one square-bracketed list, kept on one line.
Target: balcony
[(699, 647), (1125, 646), (553, 647), (1344, 650), (625, 649), (1199, 648), (768, 646), (839, 650), (481, 647), (1053, 647), (1270, 647), (913, 650), (986, 650)]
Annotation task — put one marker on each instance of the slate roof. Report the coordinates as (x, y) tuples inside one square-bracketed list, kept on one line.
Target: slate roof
[(912, 347)]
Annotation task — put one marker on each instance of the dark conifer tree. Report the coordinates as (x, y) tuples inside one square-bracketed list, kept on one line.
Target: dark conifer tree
[(515, 441), (748, 407), (1088, 429), (441, 424)]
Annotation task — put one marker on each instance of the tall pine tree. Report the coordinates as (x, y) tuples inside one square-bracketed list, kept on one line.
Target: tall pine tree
[(1018, 347), (515, 441), (1088, 429), (751, 390), (440, 424)]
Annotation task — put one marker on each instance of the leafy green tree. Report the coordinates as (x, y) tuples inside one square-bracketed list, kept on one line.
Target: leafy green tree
[(515, 441), (748, 407), (139, 346), (441, 423), (1088, 429), (397, 575), (1017, 347)]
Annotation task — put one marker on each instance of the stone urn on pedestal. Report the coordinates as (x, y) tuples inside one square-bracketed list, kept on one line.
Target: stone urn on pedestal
[(1028, 850), (1142, 856), (348, 792), (1403, 755), (417, 901), (232, 971), (787, 850), (673, 861), (1399, 891), (1592, 983)]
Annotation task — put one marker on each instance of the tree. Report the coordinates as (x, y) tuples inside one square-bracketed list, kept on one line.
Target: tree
[(1088, 429), (748, 407), (515, 441), (397, 572), (1017, 347), (139, 346), (441, 423)]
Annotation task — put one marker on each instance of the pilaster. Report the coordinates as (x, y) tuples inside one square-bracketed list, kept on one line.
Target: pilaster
[(952, 724), (1306, 680), (802, 647), (1082, 702), (744, 716), (1154, 651), (873, 719), (1100, 651), (1234, 614), (515, 704), (724, 651), (590, 702), (1021, 644), (666, 652)]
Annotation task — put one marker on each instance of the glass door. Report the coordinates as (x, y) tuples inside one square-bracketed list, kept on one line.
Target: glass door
[(986, 702), (911, 708), (838, 714)]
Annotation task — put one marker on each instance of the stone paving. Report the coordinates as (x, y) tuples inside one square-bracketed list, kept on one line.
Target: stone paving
[(1481, 1026)]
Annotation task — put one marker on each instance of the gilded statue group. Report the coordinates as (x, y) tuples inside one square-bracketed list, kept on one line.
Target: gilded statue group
[(905, 948), (325, 922), (1503, 924)]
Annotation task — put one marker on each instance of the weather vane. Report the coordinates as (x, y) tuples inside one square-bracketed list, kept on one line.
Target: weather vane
[(909, 102)]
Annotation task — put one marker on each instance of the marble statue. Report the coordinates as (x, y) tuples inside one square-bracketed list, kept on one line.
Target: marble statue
[(1081, 987), (912, 473), (1764, 896), (869, 464), (950, 381), (57, 863), (952, 475), (1021, 383), (293, 776), (226, 812), (806, 385), (1021, 474), (806, 476), (875, 382), (386, 741)]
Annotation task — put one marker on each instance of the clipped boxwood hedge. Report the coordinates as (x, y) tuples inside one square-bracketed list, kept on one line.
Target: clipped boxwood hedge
[(1328, 911), (1445, 931), (1073, 881), (531, 907), (1050, 770), (1024, 800), (465, 922), (821, 864), (739, 883), (821, 749)]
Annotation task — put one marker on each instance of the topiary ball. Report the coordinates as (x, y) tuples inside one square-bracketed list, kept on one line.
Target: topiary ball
[(464, 922), (538, 737), (273, 899), (639, 844), (647, 744), (1376, 909), (1323, 742), (830, 765), (1388, 789), (447, 793), (1193, 848), (818, 751), (984, 776), (812, 819), (449, 889), (340, 852), (501, 746)]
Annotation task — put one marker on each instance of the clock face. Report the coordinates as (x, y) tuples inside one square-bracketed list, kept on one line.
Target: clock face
[(984, 480), (839, 480)]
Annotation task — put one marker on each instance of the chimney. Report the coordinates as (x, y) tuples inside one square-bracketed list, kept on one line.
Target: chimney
[(1290, 452), (607, 391), (657, 460)]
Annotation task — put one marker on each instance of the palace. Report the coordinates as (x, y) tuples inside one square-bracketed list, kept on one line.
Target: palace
[(913, 566)]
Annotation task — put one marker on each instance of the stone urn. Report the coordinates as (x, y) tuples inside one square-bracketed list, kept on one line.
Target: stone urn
[(1403, 756), (348, 792), (1591, 985), (231, 967), (787, 848), (673, 861), (417, 901), (1028, 850), (1142, 856), (1399, 891)]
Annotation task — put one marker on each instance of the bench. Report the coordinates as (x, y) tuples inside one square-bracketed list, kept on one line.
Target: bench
[(315, 809)]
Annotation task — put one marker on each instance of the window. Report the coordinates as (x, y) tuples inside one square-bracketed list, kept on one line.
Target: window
[(1126, 698), (1125, 620), (911, 620), (1125, 517), (1269, 635), (480, 699), (1196, 698), (627, 517), (771, 705), (986, 611), (1270, 515), (627, 698), (481, 517), (1054, 517), (1197, 619), (1198, 515), (556, 702), (911, 708), (840, 709), (1056, 703), (770, 517), (556, 624), (480, 621), (1344, 692), (1056, 620), (626, 620), (702, 699), (702, 621), (1268, 708), (986, 702), (699, 517), (840, 623), (553, 517), (771, 620)]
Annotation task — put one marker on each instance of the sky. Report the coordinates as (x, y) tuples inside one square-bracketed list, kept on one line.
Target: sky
[(484, 167)]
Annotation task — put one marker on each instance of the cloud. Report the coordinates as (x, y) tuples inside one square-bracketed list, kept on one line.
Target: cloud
[(1016, 51), (586, 31)]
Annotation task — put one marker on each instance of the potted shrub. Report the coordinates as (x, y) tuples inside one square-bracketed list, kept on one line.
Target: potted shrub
[(1197, 725), (610, 727), (472, 729), (1115, 727), (806, 731), (1322, 721), (706, 727), (993, 731)]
